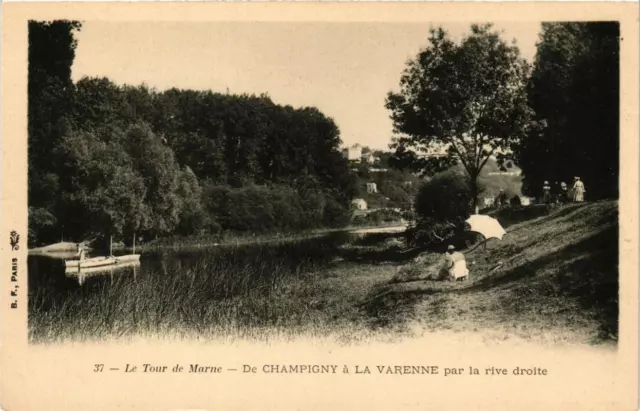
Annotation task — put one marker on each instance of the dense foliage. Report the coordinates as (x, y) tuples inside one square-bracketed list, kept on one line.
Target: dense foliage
[(574, 88), (394, 188), (467, 98), (441, 206), (109, 159)]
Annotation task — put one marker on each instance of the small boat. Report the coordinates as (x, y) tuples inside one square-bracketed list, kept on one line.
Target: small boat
[(58, 255), (85, 271), (101, 261), (104, 261), (61, 247)]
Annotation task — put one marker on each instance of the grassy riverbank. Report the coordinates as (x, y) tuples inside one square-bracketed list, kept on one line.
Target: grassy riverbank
[(289, 288), (553, 278), (232, 238), (223, 239)]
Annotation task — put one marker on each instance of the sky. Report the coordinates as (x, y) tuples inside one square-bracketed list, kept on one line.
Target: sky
[(344, 69)]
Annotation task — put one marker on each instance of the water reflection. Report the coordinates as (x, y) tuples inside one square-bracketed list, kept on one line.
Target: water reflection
[(81, 274), (49, 277)]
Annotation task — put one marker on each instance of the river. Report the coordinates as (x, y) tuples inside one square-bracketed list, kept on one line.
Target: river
[(60, 298)]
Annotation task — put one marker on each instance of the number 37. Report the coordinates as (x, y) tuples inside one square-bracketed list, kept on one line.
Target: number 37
[(98, 368)]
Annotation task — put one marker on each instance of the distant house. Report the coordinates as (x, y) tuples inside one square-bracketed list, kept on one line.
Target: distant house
[(525, 201), (372, 188), (353, 153), (359, 204), (368, 158), (407, 183)]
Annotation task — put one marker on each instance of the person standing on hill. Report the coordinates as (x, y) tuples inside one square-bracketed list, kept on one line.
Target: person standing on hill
[(501, 199), (557, 192), (578, 190), (546, 193), (564, 194)]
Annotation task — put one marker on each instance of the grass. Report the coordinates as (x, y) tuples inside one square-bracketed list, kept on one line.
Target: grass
[(291, 288), (553, 278), (161, 300)]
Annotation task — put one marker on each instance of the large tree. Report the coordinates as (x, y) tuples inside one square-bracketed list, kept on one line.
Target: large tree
[(51, 53), (465, 99), (574, 88), (120, 159)]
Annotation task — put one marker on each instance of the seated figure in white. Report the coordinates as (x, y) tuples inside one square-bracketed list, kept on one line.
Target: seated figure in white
[(455, 265)]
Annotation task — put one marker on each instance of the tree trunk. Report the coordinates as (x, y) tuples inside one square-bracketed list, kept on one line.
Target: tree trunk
[(474, 193)]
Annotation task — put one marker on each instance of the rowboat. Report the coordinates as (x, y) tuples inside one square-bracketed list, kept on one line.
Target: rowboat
[(101, 261), (104, 261), (56, 249), (83, 273), (105, 269)]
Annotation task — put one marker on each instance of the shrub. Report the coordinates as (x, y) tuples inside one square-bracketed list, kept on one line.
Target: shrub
[(446, 197), (515, 201), (274, 207), (441, 206)]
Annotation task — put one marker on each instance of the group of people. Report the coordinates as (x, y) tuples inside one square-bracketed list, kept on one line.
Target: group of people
[(501, 199), (453, 266), (560, 192)]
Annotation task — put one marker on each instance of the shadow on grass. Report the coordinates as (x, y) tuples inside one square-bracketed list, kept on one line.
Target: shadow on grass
[(393, 255), (544, 214), (378, 249), (586, 272)]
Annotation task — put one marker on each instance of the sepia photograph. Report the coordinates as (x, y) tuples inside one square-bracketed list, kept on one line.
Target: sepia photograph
[(319, 206), (457, 176)]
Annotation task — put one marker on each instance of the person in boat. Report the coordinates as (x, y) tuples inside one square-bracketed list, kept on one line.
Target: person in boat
[(455, 265), (81, 251)]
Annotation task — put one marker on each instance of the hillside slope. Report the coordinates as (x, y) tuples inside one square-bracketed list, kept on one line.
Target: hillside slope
[(552, 278)]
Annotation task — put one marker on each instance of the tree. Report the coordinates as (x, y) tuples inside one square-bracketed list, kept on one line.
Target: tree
[(464, 99), (155, 163), (51, 53), (122, 159), (100, 191), (574, 89), (442, 204)]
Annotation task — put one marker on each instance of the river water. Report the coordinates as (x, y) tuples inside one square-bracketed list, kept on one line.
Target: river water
[(48, 276)]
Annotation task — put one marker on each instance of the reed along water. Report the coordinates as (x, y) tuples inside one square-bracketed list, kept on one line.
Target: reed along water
[(170, 287)]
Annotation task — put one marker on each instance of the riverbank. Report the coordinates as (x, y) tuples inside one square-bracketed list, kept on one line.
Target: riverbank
[(553, 279), (226, 239), (61, 247), (237, 239), (289, 288)]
